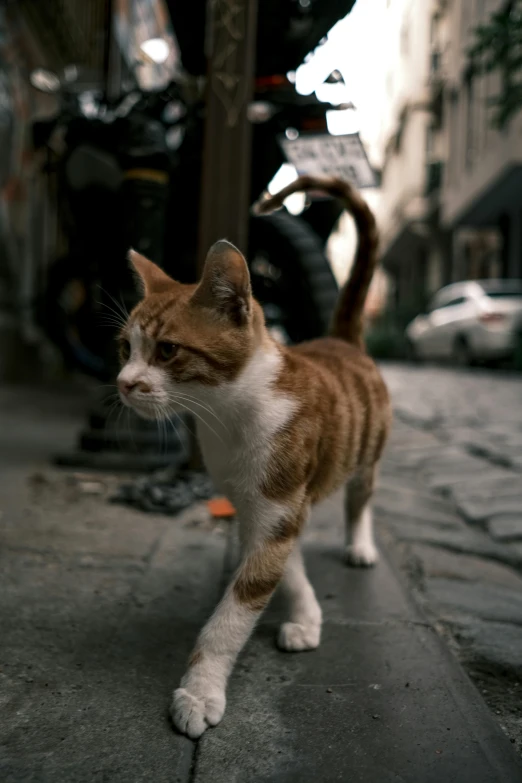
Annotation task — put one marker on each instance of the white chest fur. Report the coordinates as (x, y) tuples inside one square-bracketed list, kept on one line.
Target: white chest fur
[(248, 413)]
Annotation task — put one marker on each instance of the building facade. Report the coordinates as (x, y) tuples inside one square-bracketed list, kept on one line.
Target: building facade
[(482, 185), (414, 247), (450, 202)]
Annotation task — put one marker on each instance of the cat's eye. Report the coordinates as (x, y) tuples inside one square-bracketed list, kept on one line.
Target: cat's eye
[(166, 351), (125, 349)]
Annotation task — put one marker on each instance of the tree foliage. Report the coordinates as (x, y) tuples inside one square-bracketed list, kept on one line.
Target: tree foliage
[(498, 46)]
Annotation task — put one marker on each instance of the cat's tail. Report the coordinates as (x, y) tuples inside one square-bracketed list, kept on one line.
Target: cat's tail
[(348, 318)]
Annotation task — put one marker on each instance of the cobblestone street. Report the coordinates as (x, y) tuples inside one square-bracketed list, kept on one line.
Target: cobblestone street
[(450, 497)]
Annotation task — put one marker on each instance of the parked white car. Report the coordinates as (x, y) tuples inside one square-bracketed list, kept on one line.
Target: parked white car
[(476, 320)]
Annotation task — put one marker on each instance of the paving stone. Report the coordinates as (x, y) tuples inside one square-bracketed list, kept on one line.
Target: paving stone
[(454, 539), (399, 482), (505, 526), (516, 462), (465, 435), (451, 481), (479, 443), (411, 439), (409, 504), (493, 484), (489, 602), (502, 434), (416, 456), (481, 510), (416, 412), (496, 645), (452, 459), (437, 562)]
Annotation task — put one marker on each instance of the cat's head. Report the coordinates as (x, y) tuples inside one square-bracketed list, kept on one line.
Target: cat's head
[(181, 338)]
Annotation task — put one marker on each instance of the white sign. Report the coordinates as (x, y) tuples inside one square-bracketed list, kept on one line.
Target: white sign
[(330, 156)]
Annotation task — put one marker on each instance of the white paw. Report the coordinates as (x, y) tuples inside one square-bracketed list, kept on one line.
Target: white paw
[(192, 714), (294, 637), (361, 554)]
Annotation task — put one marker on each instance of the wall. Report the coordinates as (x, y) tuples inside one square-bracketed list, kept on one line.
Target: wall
[(478, 153)]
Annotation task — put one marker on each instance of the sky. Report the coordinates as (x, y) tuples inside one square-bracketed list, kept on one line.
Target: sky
[(354, 46)]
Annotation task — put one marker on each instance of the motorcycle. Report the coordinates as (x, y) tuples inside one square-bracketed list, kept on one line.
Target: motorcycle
[(112, 181), (129, 176)]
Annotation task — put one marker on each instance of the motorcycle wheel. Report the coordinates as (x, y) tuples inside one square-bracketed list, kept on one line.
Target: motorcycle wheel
[(69, 315), (290, 271)]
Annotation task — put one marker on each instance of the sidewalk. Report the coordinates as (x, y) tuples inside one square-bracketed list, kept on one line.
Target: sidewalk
[(100, 606)]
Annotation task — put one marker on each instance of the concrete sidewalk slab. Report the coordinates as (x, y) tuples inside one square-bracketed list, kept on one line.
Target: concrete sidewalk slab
[(89, 656)]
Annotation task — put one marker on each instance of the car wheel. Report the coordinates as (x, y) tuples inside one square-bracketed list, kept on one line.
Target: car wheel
[(461, 353)]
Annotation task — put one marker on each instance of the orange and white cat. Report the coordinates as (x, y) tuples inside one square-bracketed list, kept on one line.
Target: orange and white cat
[(280, 428)]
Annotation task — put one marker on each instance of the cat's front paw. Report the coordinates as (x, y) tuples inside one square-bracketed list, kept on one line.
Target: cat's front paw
[(193, 714), (295, 637), (361, 555)]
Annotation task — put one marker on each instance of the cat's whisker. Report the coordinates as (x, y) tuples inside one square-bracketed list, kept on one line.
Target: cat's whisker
[(124, 309), (119, 316), (112, 322), (164, 433), (201, 419), (121, 307), (173, 425), (188, 398), (112, 409), (177, 397)]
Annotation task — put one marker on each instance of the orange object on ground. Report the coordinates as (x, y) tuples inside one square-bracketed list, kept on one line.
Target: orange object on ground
[(221, 508)]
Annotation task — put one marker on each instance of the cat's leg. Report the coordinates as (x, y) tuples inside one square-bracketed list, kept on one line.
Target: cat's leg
[(200, 700), (360, 549), (303, 630)]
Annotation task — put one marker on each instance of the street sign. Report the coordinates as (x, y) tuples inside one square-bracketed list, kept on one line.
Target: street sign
[(322, 155)]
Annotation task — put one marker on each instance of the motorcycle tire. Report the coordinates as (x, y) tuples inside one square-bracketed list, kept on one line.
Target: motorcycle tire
[(304, 288), (67, 314)]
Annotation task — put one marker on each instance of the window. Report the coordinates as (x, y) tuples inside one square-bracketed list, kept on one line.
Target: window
[(440, 302), (505, 294), (456, 301)]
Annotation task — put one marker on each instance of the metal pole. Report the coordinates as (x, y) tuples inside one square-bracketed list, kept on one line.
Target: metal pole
[(225, 186)]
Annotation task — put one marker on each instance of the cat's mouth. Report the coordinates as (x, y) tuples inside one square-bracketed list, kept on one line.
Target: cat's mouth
[(144, 406)]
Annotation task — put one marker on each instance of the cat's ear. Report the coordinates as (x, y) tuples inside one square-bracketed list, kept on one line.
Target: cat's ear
[(225, 283), (150, 278)]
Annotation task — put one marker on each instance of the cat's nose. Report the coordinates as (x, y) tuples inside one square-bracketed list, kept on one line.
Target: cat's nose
[(126, 387)]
